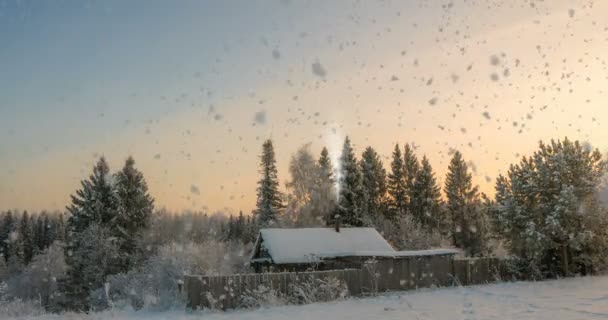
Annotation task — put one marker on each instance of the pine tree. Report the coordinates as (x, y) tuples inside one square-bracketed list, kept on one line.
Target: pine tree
[(350, 188), (426, 198), (548, 210), (325, 199), (463, 207), (397, 188), (26, 240), (240, 228), (269, 203), (373, 184), (39, 234), (8, 227), (96, 202), (135, 206), (50, 232), (410, 171), (60, 229)]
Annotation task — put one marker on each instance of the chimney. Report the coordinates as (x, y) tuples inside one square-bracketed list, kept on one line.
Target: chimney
[(337, 222)]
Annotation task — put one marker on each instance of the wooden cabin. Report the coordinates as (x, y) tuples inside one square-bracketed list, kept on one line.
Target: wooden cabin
[(305, 249)]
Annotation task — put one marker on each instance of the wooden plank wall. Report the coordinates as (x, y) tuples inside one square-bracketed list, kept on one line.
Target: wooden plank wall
[(226, 292)]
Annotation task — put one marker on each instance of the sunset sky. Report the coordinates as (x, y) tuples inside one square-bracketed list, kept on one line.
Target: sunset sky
[(191, 89)]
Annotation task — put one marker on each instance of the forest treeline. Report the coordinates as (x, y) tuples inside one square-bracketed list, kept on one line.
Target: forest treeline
[(112, 247)]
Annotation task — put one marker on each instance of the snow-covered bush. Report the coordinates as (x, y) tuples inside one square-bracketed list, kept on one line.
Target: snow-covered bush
[(155, 285), (38, 281), (407, 234), (262, 296), (18, 309), (305, 292), (318, 290)]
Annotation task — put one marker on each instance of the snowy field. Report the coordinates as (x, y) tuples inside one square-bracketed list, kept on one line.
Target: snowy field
[(569, 299)]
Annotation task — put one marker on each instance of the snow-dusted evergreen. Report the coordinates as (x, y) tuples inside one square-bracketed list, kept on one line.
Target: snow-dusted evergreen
[(467, 223), (426, 198), (548, 211), (373, 185), (269, 202), (95, 204), (135, 208), (107, 216), (396, 185), (350, 188), (410, 172), (325, 198), (26, 241)]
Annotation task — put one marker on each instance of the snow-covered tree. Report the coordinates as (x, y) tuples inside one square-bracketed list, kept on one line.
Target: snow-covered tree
[(304, 173), (548, 210), (350, 188), (95, 202), (373, 185), (324, 198), (6, 229), (94, 258), (410, 171), (26, 240), (426, 198), (38, 280), (396, 186), (269, 202), (135, 206), (463, 205)]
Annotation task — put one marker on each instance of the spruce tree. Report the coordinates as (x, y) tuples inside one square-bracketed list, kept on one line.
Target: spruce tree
[(373, 184), (426, 198), (135, 206), (39, 234), (269, 203), (240, 228), (26, 240), (325, 196), (396, 185), (462, 205), (410, 171), (350, 188), (60, 229), (94, 204), (50, 231), (8, 227)]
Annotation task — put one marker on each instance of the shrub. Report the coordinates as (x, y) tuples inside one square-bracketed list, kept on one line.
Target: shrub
[(17, 308), (305, 292), (318, 290)]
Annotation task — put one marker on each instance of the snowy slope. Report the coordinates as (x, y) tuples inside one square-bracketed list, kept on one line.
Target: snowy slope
[(580, 298)]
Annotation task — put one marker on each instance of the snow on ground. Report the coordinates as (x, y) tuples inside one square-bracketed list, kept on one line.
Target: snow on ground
[(568, 299)]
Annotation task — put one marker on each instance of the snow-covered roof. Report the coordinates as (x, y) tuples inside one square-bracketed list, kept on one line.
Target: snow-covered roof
[(309, 245), (306, 245), (397, 254)]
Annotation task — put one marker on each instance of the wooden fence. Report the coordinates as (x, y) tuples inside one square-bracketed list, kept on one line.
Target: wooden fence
[(226, 292)]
